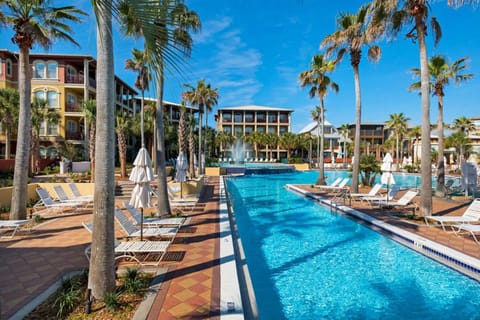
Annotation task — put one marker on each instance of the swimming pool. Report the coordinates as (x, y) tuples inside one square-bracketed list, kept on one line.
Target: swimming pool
[(306, 262)]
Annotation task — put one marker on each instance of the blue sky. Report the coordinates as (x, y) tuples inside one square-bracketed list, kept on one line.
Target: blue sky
[(253, 51)]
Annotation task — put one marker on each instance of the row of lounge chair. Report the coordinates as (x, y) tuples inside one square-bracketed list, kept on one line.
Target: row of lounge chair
[(149, 252), (229, 160)]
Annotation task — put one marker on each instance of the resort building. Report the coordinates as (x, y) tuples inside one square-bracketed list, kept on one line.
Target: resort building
[(372, 137), (64, 82), (241, 121), (333, 143)]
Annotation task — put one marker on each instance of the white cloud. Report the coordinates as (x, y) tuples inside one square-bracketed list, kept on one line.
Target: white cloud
[(211, 28)]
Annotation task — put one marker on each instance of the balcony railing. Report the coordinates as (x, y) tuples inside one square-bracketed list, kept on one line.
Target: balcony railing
[(75, 78), (74, 136), (74, 107)]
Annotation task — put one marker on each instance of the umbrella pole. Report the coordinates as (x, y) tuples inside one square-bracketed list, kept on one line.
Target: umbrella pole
[(387, 192), (181, 190), (141, 225)]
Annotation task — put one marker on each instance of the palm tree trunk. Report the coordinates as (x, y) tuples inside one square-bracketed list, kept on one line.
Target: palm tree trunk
[(18, 208), (163, 204), (91, 151), (358, 121), (7, 142), (426, 165), (397, 142), (199, 158), (205, 149), (321, 163), (440, 190), (122, 152), (101, 278)]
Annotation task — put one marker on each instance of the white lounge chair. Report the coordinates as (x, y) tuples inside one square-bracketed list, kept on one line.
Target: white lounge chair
[(73, 187), (139, 251), (473, 229), (11, 225), (155, 222), (392, 193), (47, 203), (471, 214), (63, 197), (133, 230), (333, 184), (335, 188), (372, 193), (405, 201)]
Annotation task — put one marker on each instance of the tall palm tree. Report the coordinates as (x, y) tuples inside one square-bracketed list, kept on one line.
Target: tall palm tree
[(398, 124), (407, 13), (90, 110), (9, 101), (122, 126), (354, 32), (288, 141), (40, 113), (204, 97), (318, 81), (224, 139), (441, 72), (139, 64), (191, 122), (463, 124), (462, 144), (34, 23), (344, 131), (172, 23)]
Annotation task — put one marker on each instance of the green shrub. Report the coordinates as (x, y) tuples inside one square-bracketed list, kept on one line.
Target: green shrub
[(69, 296), (112, 300), (133, 281)]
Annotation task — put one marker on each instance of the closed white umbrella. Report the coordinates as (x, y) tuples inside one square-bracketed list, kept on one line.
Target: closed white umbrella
[(387, 175), (142, 174), (182, 168)]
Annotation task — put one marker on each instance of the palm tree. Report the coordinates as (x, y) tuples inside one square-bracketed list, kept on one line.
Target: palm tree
[(318, 81), (224, 139), (191, 144), (123, 124), (9, 101), (172, 23), (40, 113), (204, 97), (463, 124), (344, 131), (462, 144), (354, 32), (288, 141), (255, 139), (34, 23), (415, 133), (441, 72), (398, 125), (416, 12), (90, 110), (271, 139), (139, 65)]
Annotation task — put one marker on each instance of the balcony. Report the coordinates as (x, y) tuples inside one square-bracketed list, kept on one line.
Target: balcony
[(74, 135), (73, 107), (75, 78)]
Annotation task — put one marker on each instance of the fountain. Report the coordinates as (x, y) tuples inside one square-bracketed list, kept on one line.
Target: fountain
[(238, 152)]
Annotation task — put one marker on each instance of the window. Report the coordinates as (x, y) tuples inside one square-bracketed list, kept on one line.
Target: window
[(42, 152), (44, 70), (43, 129), (227, 130), (283, 117), (249, 117), (1, 66), (272, 117), (238, 117), (52, 129), (9, 67), (52, 99), (71, 72), (39, 70), (71, 126), (248, 129), (283, 130), (261, 129), (261, 117), (272, 129), (227, 117), (238, 130), (52, 70), (52, 152)]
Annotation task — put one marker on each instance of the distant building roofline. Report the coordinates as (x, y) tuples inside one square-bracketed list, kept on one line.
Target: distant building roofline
[(254, 108)]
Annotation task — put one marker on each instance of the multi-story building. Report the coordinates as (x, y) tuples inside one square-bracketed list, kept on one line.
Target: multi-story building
[(241, 121), (372, 137), (332, 151), (171, 109), (64, 82)]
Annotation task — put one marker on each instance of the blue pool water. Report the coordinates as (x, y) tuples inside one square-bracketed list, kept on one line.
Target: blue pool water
[(307, 262)]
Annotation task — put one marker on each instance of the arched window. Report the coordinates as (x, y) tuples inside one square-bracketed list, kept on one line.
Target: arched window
[(43, 152), (39, 70), (1, 66), (45, 70), (71, 74), (52, 70), (52, 152), (50, 96)]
